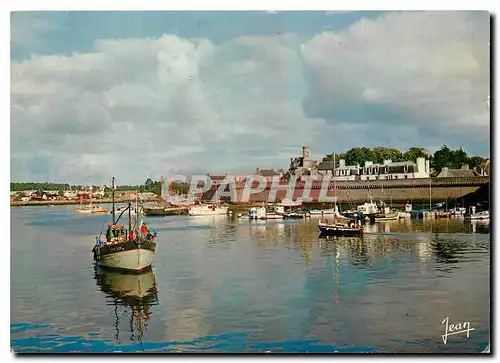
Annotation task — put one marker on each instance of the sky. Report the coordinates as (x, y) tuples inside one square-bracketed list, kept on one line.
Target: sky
[(139, 95)]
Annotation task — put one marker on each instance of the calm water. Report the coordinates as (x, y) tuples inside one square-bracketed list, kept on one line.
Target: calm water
[(219, 285)]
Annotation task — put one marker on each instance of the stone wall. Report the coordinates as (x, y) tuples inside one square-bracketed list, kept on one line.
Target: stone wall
[(414, 190)]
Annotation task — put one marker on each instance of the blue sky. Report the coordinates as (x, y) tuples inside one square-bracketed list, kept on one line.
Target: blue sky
[(146, 94)]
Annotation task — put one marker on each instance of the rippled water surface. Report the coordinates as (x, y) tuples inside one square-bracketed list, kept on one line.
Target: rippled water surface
[(222, 285)]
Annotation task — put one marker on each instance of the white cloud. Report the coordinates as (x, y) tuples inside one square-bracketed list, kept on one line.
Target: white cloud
[(138, 108), (432, 67)]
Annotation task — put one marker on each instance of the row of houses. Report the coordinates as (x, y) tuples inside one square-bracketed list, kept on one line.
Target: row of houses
[(304, 167)]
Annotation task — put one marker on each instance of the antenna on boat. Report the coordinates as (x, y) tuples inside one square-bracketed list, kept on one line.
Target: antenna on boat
[(130, 217), (113, 197)]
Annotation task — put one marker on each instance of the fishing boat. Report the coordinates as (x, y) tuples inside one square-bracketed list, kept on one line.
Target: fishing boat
[(276, 213), (207, 210), (129, 249), (387, 214), (368, 209), (474, 216), (340, 229), (353, 215), (257, 213)]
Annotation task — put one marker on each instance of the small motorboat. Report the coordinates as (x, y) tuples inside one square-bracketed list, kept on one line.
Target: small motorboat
[(293, 215), (340, 229), (473, 215), (91, 209), (273, 215), (353, 215)]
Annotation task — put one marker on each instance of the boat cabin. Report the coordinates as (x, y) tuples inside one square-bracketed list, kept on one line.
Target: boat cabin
[(116, 233)]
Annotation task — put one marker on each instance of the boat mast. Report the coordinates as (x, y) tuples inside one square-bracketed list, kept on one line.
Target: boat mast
[(129, 217), (113, 197), (136, 210), (430, 191), (334, 186)]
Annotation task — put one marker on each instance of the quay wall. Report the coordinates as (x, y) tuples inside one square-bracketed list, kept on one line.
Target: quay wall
[(399, 191)]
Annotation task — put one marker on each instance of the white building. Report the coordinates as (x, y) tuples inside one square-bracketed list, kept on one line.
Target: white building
[(370, 171), (397, 170)]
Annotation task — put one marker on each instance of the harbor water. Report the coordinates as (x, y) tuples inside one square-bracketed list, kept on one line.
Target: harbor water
[(228, 285)]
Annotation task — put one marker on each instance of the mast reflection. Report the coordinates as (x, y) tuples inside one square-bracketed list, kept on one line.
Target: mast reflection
[(134, 292)]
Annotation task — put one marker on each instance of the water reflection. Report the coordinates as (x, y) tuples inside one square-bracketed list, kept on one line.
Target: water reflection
[(448, 250), (480, 226), (240, 286), (215, 220), (134, 292)]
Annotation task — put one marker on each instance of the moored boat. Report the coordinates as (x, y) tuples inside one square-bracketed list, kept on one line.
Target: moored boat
[(369, 210), (257, 213), (274, 215), (88, 209), (474, 216), (293, 215), (340, 229), (320, 212), (207, 209), (387, 214)]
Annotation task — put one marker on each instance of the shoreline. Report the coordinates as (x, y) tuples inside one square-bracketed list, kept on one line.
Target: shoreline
[(65, 202)]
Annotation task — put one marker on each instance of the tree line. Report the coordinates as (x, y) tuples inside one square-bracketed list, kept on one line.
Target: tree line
[(444, 157), (149, 186)]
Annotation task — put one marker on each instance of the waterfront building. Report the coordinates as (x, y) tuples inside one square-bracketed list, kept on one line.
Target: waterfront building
[(303, 166)]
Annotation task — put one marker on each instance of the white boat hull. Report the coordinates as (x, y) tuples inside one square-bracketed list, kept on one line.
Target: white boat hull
[(207, 211), (316, 212), (477, 217), (135, 260), (274, 216)]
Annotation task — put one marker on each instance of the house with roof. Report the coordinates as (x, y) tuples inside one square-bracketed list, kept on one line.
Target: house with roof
[(389, 170), (463, 172), (342, 173), (483, 169)]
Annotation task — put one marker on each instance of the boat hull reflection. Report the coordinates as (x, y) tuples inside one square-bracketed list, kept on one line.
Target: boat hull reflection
[(135, 292)]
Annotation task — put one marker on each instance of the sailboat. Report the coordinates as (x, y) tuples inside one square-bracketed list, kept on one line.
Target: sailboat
[(130, 249), (134, 292), (336, 228)]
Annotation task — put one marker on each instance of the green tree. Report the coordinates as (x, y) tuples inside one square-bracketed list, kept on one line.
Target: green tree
[(415, 152), (458, 158), (475, 161), (338, 156), (442, 158), (381, 153), (148, 185), (358, 155)]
